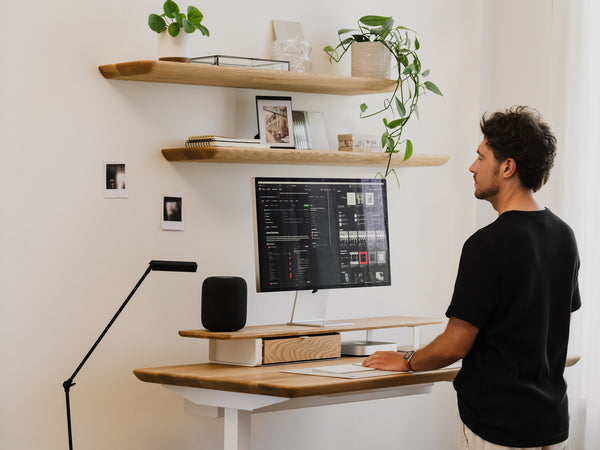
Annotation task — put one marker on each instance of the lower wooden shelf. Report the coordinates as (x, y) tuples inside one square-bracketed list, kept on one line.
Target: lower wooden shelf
[(243, 155)]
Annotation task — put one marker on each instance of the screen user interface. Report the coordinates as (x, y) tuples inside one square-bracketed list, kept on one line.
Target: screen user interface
[(321, 233)]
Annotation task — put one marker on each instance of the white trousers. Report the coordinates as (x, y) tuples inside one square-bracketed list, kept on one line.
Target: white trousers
[(467, 440)]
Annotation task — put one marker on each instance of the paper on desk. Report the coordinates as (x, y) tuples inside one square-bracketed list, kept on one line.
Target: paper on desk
[(357, 374)]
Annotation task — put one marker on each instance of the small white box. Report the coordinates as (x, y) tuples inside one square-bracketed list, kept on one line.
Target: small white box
[(239, 352)]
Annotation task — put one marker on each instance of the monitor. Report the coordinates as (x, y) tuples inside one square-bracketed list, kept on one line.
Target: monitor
[(321, 233)]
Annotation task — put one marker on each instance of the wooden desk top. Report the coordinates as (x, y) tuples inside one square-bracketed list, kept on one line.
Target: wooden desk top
[(283, 330), (270, 380)]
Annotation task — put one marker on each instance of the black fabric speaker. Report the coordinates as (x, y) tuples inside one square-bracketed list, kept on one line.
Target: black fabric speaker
[(224, 301)]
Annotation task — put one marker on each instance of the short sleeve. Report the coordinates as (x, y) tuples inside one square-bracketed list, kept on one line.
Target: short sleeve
[(576, 297), (477, 287)]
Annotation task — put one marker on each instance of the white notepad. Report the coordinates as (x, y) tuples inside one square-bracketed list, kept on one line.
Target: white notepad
[(343, 371)]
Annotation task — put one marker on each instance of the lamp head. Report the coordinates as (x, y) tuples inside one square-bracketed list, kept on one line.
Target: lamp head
[(173, 266)]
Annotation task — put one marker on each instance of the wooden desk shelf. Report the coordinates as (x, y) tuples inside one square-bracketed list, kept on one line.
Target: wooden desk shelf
[(236, 77), (306, 157), (282, 330), (269, 344)]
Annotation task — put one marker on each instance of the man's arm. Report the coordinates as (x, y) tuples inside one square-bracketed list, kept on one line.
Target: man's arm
[(450, 346)]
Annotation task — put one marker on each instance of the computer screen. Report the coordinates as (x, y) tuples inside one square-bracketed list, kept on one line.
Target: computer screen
[(315, 233)]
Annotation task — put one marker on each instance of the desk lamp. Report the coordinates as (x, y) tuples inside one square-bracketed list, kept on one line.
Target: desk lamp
[(165, 266)]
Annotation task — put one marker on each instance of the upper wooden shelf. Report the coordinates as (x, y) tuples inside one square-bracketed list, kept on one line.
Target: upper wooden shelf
[(307, 157), (208, 75), (282, 330)]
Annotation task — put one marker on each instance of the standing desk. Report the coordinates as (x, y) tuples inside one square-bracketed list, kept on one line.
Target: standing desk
[(236, 392)]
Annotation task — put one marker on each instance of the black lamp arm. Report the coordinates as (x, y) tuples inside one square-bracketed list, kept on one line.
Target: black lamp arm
[(67, 384), (173, 266)]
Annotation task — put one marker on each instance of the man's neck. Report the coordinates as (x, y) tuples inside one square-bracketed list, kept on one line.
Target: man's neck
[(518, 199)]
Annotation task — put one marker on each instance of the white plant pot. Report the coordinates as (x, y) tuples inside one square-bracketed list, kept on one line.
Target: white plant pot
[(370, 59), (174, 48)]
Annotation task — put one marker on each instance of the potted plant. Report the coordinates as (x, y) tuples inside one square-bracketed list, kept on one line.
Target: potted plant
[(402, 103), (169, 25)]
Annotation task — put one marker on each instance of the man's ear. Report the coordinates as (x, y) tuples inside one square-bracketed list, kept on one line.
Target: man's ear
[(509, 168)]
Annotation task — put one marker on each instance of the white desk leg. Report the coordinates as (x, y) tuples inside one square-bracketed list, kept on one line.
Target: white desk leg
[(236, 430), (416, 338)]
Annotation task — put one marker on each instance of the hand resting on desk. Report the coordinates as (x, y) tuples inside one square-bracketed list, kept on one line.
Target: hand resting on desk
[(386, 361), (450, 346)]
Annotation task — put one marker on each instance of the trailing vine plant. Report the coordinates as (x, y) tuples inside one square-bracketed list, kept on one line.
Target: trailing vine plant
[(402, 103)]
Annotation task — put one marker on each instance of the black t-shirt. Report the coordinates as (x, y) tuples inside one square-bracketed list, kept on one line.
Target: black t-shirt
[(517, 283)]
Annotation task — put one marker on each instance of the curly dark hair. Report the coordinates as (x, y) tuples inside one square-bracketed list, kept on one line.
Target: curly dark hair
[(521, 134)]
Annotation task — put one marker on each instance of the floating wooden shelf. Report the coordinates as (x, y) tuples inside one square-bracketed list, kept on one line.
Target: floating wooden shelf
[(306, 157), (208, 75), (236, 77)]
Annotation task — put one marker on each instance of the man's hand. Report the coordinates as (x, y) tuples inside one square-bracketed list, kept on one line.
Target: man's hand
[(450, 346), (386, 361)]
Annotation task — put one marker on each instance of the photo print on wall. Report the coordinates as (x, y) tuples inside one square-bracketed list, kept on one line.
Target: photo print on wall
[(115, 179), (172, 212)]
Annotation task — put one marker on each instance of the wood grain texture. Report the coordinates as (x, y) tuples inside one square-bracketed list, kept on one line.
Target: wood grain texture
[(302, 348), (271, 380), (237, 77), (282, 330), (291, 156)]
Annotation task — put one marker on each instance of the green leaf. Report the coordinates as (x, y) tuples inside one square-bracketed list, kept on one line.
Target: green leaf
[(389, 23), (426, 72), (417, 45), (416, 111), (363, 107), (374, 21), (400, 27), (400, 107), (174, 29), (384, 138), (409, 69), (328, 49), (194, 15), (390, 145), (395, 123), (157, 23), (432, 87), (346, 30), (171, 9), (357, 38), (203, 30), (409, 150), (188, 26)]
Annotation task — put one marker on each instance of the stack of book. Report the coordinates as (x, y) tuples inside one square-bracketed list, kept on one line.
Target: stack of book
[(210, 140)]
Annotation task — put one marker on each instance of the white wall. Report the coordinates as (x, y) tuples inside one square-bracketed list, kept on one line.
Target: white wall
[(69, 256)]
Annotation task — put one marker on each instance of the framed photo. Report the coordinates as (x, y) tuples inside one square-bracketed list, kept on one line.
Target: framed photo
[(275, 123), (115, 179), (172, 212)]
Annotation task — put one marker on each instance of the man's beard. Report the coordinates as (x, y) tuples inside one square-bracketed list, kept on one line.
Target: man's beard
[(486, 193)]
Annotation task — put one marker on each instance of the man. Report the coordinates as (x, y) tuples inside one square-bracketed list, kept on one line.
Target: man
[(515, 290)]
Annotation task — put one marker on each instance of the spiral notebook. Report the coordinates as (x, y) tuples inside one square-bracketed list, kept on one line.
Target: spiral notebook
[(222, 141)]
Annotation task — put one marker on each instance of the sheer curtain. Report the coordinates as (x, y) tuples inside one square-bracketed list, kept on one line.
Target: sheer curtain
[(582, 210)]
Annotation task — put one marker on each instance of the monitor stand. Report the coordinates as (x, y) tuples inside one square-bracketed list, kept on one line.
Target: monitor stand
[(323, 323), (366, 348)]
